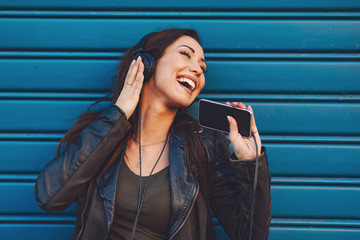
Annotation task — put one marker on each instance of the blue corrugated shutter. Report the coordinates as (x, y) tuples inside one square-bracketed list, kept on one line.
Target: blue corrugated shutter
[(296, 63)]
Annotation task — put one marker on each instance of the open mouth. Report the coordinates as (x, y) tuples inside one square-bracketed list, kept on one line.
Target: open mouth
[(187, 83)]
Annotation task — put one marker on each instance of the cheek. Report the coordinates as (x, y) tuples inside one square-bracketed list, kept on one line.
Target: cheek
[(161, 74), (202, 84)]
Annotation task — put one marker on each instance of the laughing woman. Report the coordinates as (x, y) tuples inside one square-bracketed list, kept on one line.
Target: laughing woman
[(143, 169)]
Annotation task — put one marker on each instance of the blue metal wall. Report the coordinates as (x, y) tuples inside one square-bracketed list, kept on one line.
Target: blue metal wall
[(296, 62)]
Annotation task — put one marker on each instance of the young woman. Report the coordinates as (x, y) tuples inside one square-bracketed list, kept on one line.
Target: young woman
[(144, 169)]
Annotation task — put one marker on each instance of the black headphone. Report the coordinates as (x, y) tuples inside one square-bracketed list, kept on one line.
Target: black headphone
[(147, 59)]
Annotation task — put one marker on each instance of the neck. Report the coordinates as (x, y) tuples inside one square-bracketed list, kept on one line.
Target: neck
[(156, 120)]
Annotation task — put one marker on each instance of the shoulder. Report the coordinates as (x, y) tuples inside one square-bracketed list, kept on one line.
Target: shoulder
[(211, 136), (215, 142)]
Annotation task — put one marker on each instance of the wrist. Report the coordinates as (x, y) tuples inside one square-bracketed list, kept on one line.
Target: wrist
[(121, 110)]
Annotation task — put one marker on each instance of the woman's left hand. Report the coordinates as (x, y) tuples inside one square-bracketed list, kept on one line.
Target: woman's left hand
[(244, 148)]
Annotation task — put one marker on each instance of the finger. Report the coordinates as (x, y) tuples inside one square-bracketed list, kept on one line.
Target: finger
[(139, 79), (254, 129), (130, 76), (234, 132), (238, 105), (130, 70), (133, 69), (241, 105), (253, 125)]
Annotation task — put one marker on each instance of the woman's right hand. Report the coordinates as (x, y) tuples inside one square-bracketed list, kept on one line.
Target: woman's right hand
[(130, 94)]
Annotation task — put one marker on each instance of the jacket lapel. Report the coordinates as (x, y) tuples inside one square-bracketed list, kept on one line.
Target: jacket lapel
[(184, 187), (107, 186)]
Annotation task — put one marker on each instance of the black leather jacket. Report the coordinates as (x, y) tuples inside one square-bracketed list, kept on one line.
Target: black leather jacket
[(74, 176)]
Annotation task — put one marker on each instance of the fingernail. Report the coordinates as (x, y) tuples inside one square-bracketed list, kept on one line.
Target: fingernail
[(138, 58), (133, 61), (229, 119)]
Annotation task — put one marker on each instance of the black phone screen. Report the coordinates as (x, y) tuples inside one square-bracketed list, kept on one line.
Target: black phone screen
[(214, 115)]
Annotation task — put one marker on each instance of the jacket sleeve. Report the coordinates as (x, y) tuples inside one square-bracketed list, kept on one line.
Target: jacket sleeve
[(59, 184), (232, 186)]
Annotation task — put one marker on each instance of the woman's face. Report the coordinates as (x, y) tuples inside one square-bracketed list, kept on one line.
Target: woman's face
[(179, 73)]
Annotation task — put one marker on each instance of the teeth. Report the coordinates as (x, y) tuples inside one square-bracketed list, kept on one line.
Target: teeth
[(188, 81)]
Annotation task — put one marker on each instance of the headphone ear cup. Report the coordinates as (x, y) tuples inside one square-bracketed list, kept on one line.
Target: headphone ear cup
[(149, 65)]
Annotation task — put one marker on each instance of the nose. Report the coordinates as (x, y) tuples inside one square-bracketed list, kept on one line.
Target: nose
[(195, 68)]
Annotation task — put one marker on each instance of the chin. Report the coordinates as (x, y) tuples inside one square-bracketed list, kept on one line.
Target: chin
[(184, 103), (181, 99)]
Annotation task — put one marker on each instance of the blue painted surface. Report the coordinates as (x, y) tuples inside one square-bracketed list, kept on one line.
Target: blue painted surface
[(239, 74), (250, 35), (183, 5), (296, 63)]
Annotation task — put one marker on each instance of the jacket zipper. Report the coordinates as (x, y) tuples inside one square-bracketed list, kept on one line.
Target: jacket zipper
[(82, 214), (187, 215)]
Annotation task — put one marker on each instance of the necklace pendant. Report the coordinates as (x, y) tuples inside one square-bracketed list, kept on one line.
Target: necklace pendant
[(142, 150)]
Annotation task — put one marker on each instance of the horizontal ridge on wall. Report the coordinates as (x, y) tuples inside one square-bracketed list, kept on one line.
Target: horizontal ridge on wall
[(266, 138), (256, 36), (208, 55), (274, 221), (256, 97), (166, 14), (56, 218), (275, 181), (344, 5), (64, 231)]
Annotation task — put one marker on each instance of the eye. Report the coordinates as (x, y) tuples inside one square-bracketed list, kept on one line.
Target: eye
[(204, 70), (185, 53)]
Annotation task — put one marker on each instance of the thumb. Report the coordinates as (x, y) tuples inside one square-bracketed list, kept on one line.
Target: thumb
[(234, 133)]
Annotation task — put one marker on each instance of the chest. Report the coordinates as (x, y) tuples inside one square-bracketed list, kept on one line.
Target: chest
[(154, 157)]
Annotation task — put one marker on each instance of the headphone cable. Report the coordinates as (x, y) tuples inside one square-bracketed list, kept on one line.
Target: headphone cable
[(141, 194), (254, 189)]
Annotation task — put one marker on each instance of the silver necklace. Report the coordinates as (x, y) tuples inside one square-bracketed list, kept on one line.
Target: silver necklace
[(145, 145)]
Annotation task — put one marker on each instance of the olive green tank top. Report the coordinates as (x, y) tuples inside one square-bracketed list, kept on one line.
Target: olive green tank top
[(154, 218)]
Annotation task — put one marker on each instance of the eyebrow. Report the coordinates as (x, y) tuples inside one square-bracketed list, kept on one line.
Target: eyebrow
[(202, 59)]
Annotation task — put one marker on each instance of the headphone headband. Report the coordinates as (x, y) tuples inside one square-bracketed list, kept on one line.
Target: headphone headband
[(140, 45), (147, 59)]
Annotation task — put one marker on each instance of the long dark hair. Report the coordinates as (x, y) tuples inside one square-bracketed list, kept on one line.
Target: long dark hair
[(184, 124)]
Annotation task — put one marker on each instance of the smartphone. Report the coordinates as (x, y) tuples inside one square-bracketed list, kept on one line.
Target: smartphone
[(214, 115)]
